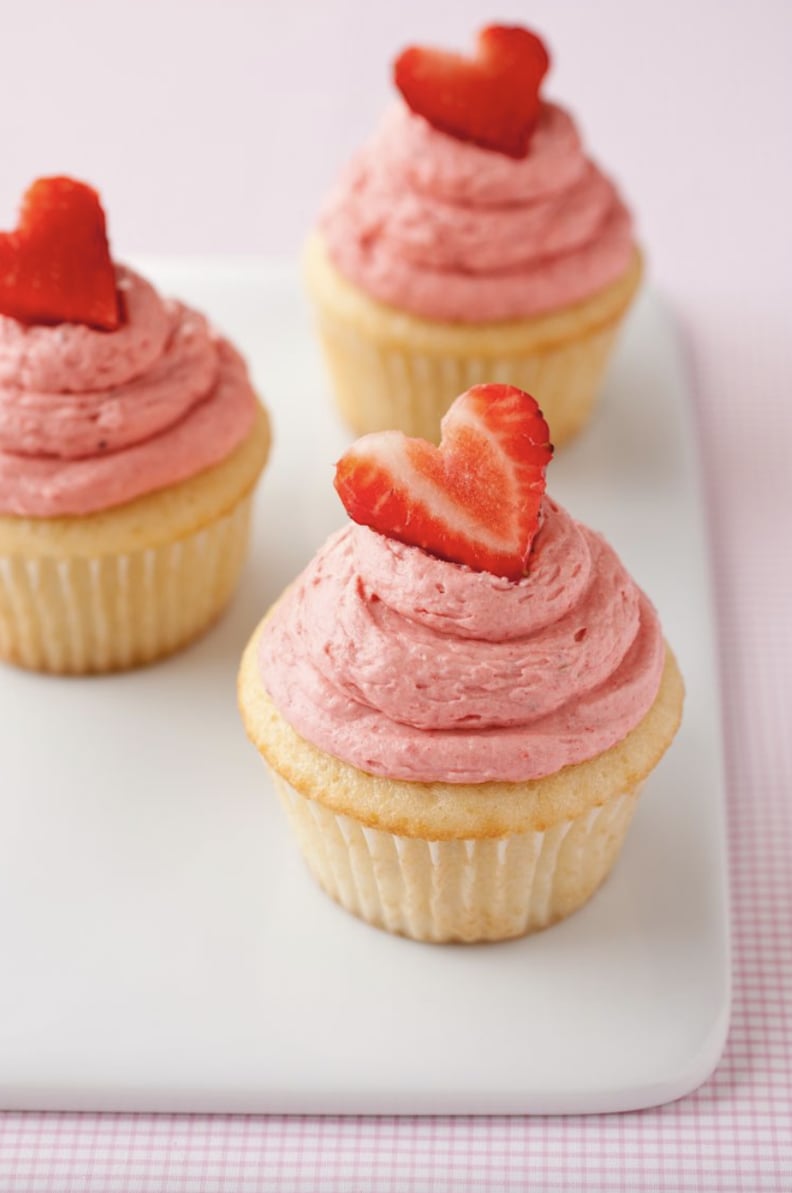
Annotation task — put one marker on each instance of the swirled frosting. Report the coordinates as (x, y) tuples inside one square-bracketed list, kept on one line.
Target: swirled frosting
[(408, 666), (446, 230), (91, 419)]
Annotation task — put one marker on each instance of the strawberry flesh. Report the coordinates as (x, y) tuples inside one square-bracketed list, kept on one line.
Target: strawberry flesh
[(491, 100), (474, 499), (55, 267)]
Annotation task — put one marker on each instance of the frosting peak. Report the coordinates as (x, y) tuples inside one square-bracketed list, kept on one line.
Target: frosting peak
[(448, 230), (408, 666), (91, 419)]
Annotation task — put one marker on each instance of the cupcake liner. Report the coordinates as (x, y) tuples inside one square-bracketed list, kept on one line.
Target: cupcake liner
[(391, 369), (83, 614), (382, 386), (459, 890)]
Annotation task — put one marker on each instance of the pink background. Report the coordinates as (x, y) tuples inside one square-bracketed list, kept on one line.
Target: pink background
[(216, 127)]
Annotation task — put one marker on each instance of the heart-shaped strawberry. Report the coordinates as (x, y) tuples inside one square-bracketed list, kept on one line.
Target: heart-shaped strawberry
[(491, 100), (474, 499), (56, 266)]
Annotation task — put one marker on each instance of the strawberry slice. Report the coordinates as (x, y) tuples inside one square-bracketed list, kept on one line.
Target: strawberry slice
[(491, 100), (55, 267), (474, 499)]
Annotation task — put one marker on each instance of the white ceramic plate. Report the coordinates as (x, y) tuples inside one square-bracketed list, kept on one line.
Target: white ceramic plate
[(163, 947)]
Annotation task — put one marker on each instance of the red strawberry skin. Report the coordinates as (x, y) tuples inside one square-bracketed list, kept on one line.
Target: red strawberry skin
[(491, 100), (55, 267), (474, 499)]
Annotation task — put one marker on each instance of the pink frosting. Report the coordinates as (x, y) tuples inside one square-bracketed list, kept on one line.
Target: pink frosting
[(447, 230), (91, 419), (407, 666)]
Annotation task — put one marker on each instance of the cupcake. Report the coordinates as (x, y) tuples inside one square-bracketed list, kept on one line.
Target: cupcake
[(461, 696), (130, 444), (472, 239)]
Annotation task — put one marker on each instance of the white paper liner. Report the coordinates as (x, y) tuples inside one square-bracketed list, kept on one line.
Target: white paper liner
[(379, 386), (81, 615), (463, 890)]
